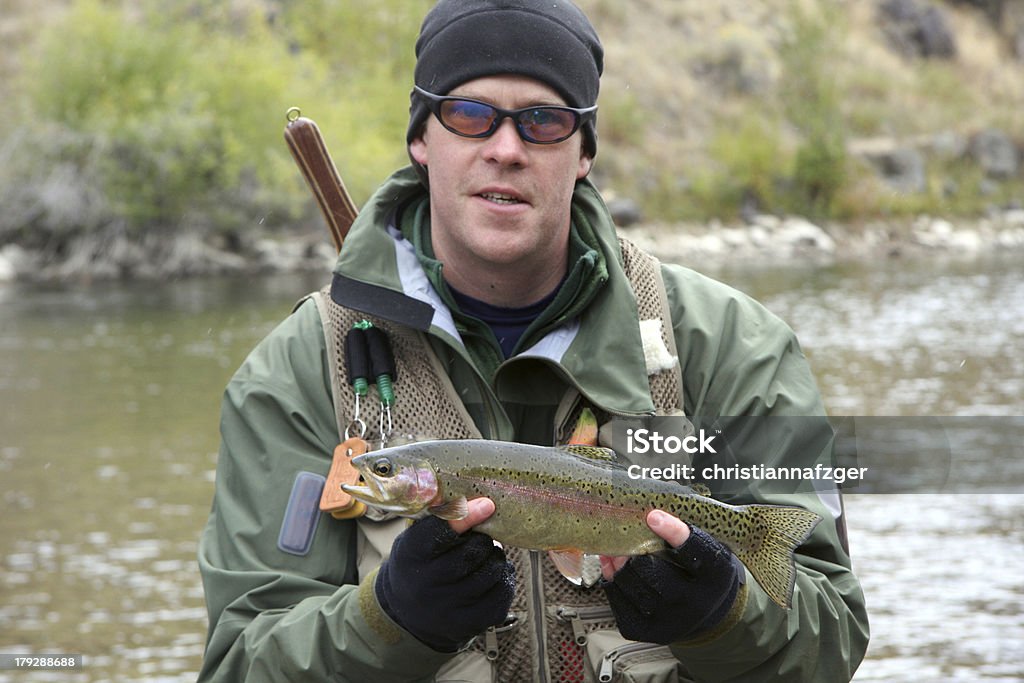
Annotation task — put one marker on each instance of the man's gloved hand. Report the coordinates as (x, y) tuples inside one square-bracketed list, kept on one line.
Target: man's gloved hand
[(444, 587), (676, 595)]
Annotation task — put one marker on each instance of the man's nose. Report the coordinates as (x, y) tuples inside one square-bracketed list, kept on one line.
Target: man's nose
[(505, 146)]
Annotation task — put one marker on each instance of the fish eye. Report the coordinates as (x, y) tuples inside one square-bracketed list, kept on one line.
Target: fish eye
[(382, 468)]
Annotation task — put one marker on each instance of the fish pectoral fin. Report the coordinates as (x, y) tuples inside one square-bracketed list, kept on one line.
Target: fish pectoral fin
[(457, 508), (569, 563)]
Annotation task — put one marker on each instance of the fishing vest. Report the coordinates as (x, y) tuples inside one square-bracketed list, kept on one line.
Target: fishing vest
[(555, 631)]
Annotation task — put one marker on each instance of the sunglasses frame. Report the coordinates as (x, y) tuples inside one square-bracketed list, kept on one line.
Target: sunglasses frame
[(434, 102)]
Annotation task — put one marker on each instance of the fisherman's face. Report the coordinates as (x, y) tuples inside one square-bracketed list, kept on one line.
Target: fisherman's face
[(499, 200)]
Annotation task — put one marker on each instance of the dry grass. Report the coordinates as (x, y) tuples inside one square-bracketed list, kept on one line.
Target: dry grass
[(661, 53)]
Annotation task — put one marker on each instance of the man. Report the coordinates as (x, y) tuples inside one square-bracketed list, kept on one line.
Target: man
[(494, 269)]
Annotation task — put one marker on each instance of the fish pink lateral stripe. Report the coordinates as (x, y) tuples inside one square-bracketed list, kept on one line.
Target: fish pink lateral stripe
[(565, 501)]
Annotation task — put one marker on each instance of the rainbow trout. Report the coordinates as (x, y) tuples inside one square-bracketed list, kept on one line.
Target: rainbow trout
[(573, 500)]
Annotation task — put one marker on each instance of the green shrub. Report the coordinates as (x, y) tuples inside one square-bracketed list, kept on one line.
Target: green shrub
[(810, 100), (753, 159), (183, 106), (819, 172), (182, 116)]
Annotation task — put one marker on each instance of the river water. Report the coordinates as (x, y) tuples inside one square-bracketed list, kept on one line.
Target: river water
[(108, 439)]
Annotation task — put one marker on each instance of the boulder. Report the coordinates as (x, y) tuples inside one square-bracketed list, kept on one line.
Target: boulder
[(624, 212), (995, 152), (917, 29), (11, 256), (902, 168), (940, 234), (801, 236)]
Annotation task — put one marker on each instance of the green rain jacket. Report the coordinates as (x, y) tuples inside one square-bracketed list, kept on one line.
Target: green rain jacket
[(277, 616)]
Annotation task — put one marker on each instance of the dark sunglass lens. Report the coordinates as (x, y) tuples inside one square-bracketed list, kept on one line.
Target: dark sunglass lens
[(467, 118), (546, 124)]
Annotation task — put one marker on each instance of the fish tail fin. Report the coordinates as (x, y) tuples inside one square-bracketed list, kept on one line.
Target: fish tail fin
[(771, 561)]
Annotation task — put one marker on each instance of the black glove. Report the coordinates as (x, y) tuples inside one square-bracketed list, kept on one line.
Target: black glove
[(442, 587), (676, 594)]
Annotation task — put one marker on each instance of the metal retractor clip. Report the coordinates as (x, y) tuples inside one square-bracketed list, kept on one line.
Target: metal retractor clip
[(357, 369), (369, 360)]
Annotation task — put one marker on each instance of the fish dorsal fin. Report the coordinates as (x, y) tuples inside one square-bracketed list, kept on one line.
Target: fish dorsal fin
[(701, 489), (594, 456), (457, 508), (592, 452)]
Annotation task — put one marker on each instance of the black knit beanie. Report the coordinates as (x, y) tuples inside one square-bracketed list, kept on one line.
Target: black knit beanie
[(549, 40)]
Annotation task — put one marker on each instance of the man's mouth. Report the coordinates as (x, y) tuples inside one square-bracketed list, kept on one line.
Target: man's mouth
[(500, 198)]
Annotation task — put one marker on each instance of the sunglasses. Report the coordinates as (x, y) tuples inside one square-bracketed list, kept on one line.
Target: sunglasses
[(541, 125)]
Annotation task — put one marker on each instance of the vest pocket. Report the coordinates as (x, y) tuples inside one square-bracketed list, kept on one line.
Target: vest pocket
[(613, 659), (470, 666), (617, 660)]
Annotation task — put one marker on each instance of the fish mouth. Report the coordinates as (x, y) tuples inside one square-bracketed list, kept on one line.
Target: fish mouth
[(369, 490), (361, 493), (375, 495)]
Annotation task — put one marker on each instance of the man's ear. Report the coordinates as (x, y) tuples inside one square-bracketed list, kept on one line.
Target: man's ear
[(418, 148), (586, 163)]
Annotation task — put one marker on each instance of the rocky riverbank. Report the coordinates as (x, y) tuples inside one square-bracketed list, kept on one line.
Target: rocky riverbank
[(117, 256), (763, 238), (774, 239)]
